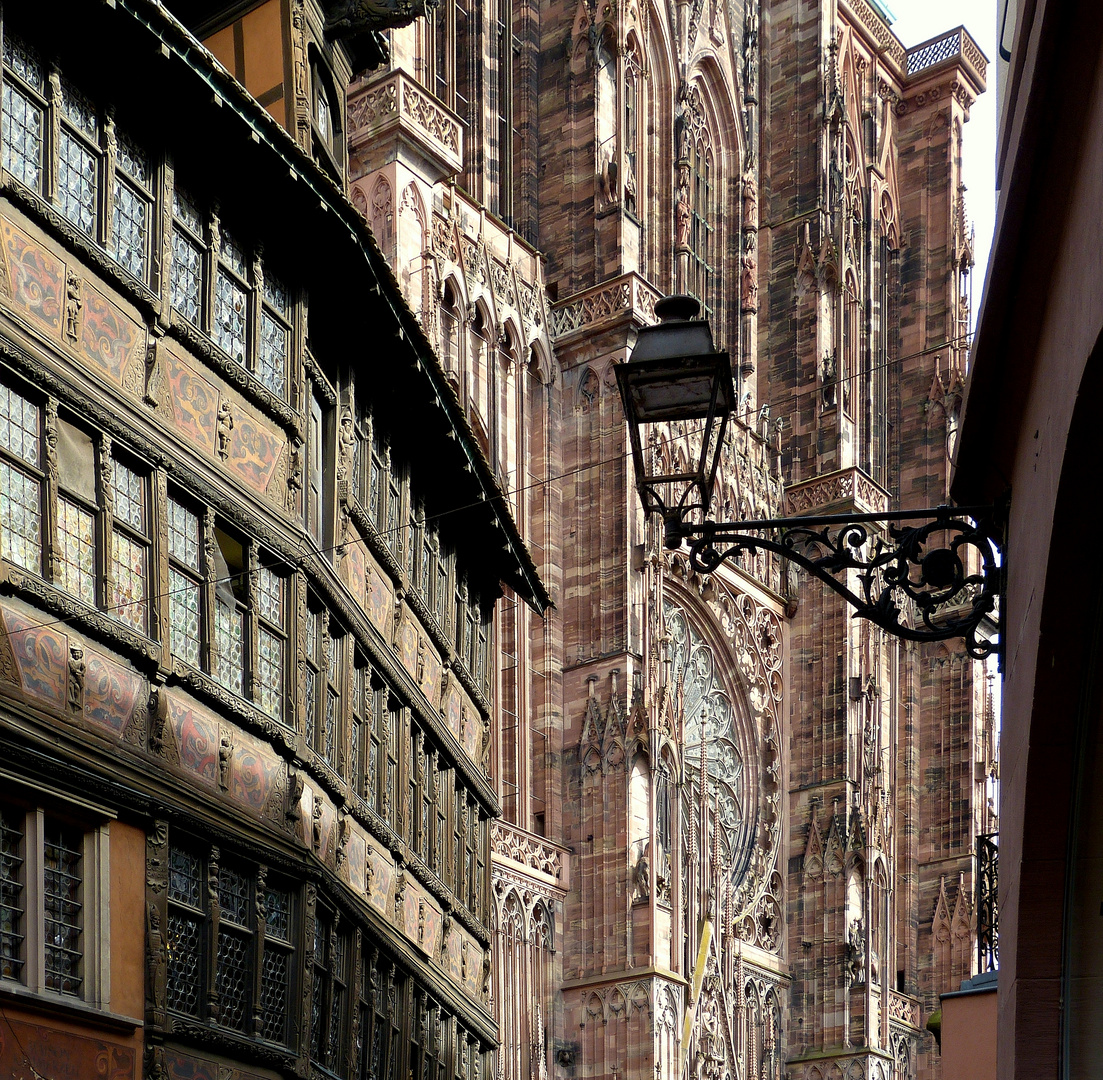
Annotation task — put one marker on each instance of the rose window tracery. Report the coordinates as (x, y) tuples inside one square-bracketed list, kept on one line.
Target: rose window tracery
[(711, 724)]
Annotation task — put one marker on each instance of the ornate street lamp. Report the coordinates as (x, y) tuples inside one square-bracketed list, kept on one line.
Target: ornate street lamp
[(676, 377), (939, 578)]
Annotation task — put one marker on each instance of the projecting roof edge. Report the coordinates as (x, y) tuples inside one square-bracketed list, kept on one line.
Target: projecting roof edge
[(525, 578)]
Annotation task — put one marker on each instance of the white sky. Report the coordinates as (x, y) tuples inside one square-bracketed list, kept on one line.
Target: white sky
[(918, 20)]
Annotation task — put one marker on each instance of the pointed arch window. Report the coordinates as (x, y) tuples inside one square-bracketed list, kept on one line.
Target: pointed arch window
[(703, 278), (633, 112)]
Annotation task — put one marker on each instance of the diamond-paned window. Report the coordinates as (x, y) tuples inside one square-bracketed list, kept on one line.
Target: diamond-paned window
[(230, 646), (186, 273), (23, 113), (233, 254), (270, 643), (184, 986), (61, 892), (276, 965), (233, 896), (185, 626), (128, 569), (186, 277), (21, 130), (186, 892), (11, 894), (77, 182), (228, 323), (76, 550), (79, 111), (272, 354), (129, 496), (130, 213), (234, 977), (129, 546), (20, 481), (185, 634), (183, 534)]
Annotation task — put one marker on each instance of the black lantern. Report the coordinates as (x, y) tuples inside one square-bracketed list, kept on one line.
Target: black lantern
[(675, 377)]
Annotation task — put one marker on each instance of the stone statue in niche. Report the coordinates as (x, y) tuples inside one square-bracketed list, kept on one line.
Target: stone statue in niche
[(828, 377), (346, 446), (156, 958), (750, 202), (224, 425), (74, 301), (683, 214), (749, 283), (77, 668), (641, 875), (225, 761), (855, 952)]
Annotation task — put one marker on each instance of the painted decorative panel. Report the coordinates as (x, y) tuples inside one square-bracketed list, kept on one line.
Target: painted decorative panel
[(38, 1050), (254, 452), (379, 601), (197, 738), (111, 692), (354, 568), (179, 1066), (256, 779), (430, 675), (431, 927), (411, 910), (451, 952), (194, 402), (37, 279), (406, 641), (380, 881), (42, 656), (109, 338), (356, 855)]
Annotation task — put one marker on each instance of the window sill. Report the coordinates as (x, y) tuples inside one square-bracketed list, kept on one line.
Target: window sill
[(58, 1004)]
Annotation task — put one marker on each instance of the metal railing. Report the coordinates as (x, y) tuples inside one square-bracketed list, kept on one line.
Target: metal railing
[(988, 917)]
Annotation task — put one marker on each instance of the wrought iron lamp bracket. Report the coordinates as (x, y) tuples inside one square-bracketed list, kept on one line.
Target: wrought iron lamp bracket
[(918, 582)]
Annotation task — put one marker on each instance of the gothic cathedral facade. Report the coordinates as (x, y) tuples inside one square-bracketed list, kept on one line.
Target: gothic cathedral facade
[(739, 828)]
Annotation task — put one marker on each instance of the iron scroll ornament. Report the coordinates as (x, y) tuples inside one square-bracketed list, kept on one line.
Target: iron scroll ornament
[(913, 580)]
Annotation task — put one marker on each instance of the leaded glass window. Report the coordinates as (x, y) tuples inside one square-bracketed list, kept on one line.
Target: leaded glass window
[(12, 903), (233, 960), (129, 546), (185, 575), (275, 336), (76, 550), (131, 208), (78, 164), (23, 114), (249, 937), (185, 937), (62, 882), (186, 275), (334, 680), (271, 635), (275, 974), (702, 243), (229, 645), (20, 481), (313, 665), (329, 993), (231, 301)]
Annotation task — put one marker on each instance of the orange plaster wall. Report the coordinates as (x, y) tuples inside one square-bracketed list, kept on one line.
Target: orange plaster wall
[(128, 920), (969, 1037)]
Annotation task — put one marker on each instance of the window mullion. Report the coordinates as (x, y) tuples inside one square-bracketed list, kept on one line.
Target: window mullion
[(259, 937), (214, 247), (209, 650), (106, 508), (160, 602), (215, 914), (249, 649), (53, 123), (49, 510), (107, 191), (34, 876)]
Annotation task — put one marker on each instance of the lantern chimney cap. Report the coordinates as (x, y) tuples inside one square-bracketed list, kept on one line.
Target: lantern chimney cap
[(677, 308)]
